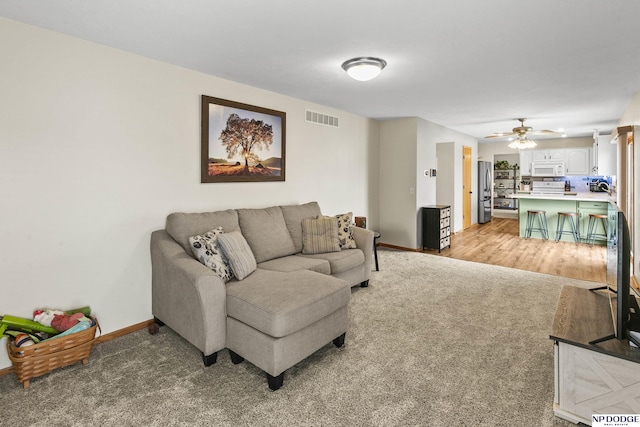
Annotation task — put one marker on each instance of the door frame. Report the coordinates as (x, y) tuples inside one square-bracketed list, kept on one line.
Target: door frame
[(467, 190)]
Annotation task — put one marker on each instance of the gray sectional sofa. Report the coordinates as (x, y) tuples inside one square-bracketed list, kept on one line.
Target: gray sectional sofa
[(294, 291)]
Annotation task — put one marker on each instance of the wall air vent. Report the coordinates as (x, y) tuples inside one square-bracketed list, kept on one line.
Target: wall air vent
[(321, 119)]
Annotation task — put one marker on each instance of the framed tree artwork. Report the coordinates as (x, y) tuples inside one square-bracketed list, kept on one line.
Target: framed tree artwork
[(241, 142)]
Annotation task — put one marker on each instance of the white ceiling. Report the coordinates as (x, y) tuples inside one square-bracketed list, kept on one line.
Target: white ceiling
[(470, 65)]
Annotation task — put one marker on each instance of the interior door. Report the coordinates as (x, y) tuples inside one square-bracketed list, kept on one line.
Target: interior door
[(466, 187)]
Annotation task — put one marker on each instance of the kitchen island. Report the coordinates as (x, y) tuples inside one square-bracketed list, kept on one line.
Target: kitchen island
[(582, 203)]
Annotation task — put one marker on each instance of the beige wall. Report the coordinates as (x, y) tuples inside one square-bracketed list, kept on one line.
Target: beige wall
[(407, 149), (398, 152), (98, 145), (631, 115)]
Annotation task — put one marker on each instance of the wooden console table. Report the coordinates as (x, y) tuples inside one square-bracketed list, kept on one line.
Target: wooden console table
[(591, 379)]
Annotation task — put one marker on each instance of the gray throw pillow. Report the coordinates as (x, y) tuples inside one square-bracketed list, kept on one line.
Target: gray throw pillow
[(237, 250), (266, 233), (320, 235), (205, 249)]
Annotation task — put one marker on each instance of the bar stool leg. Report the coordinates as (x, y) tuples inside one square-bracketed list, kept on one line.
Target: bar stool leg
[(544, 226), (605, 226), (590, 230), (574, 230), (559, 227)]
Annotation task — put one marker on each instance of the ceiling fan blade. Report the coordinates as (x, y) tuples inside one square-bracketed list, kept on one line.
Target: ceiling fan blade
[(500, 135), (543, 132)]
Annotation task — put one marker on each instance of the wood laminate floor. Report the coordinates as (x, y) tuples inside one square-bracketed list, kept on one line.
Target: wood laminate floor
[(498, 242)]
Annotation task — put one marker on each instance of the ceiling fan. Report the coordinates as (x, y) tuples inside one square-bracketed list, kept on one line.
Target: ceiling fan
[(520, 133)]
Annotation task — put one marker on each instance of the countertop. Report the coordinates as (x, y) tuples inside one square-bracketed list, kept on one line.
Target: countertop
[(573, 196)]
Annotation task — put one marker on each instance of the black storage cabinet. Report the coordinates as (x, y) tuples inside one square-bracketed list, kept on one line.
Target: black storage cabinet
[(436, 227)]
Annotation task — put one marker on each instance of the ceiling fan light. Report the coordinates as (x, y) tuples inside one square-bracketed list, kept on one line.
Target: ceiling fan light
[(364, 68), (522, 144)]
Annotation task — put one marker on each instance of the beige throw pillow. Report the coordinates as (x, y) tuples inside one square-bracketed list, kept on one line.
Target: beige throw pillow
[(344, 231), (320, 235), (205, 249)]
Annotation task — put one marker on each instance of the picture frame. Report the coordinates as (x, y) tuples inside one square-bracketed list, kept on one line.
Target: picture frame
[(241, 142)]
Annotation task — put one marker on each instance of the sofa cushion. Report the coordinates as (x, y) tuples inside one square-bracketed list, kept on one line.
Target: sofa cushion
[(293, 216), (344, 231), (340, 261), (266, 232), (279, 304), (239, 254), (320, 235), (181, 226), (206, 250), (294, 263)]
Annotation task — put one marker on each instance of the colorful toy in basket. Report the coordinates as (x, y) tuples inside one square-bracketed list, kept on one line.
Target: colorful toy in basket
[(61, 320), (45, 324), (19, 324), (23, 340)]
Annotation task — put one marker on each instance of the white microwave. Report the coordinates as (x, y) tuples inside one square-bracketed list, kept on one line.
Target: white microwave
[(547, 169)]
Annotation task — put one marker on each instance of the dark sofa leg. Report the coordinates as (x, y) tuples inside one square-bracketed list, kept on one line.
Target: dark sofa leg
[(275, 382), (210, 359), (364, 284), (339, 342), (155, 326), (236, 358)]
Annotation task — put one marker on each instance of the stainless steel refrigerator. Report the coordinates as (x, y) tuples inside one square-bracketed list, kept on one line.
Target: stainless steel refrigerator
[(484, 191)]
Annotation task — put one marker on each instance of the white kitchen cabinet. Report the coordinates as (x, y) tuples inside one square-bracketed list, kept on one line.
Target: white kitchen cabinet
[(605, 157), (551, 155), (539, 155), (578, 161), (525, 162)]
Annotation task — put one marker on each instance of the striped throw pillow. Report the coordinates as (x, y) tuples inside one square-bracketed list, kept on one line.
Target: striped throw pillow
[(237, 250), (320, 235)]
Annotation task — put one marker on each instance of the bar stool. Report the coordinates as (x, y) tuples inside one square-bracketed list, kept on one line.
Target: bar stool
[(592, 227), (562, 217), (542, 224)]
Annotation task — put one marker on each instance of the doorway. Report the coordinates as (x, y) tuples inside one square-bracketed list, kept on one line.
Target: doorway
[(466, 187)]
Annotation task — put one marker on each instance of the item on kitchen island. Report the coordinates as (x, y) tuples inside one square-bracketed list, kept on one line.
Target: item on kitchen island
[(525, 185), (599, 185)]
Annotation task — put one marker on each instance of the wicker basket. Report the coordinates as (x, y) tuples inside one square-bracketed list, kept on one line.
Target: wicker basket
[(42, 358)]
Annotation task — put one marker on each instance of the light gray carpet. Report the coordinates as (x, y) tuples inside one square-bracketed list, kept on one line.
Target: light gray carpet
[(432, 341)]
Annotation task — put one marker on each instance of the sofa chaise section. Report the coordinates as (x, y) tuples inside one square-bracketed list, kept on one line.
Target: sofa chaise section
[(275, 320)]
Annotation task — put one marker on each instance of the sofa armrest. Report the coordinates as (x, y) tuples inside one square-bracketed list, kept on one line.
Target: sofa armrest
[(187, 296), (364, 242)]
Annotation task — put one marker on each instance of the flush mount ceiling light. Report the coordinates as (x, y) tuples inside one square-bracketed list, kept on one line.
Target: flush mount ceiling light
[(364, 68)]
